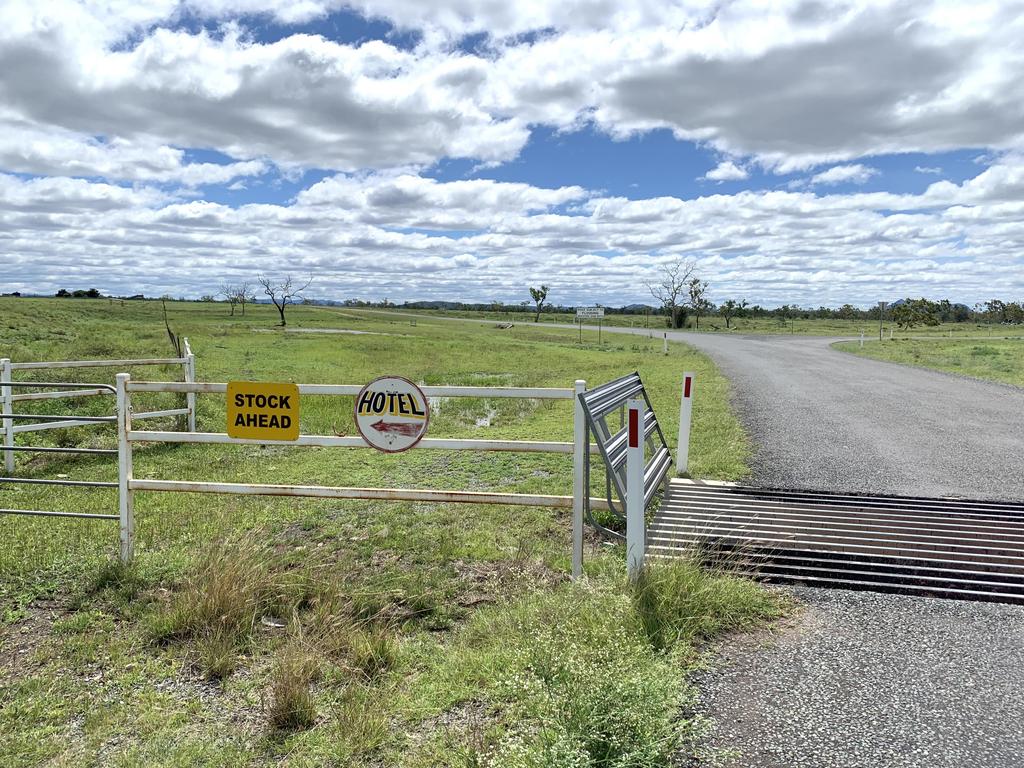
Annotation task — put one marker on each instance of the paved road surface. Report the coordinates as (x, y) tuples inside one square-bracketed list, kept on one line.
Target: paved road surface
[(864, 680), (824, 419)]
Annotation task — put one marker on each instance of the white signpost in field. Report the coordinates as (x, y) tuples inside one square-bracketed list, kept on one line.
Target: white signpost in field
[(590, 313), (685, 419)]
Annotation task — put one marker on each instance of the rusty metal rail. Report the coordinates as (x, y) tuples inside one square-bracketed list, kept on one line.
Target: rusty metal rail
[(927, 546)]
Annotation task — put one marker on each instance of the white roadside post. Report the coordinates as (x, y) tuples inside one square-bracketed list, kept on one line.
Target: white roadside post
[(126, 507), (666, 344), (862, 339), (580, 456), (190, 377), (685, 419), (635, 524), (6, 393)]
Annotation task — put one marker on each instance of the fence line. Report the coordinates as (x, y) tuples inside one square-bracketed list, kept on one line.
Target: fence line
[(644, 477), (7, 397), (578, 448)]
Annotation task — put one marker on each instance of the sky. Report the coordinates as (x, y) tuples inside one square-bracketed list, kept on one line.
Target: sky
[(805, 152)]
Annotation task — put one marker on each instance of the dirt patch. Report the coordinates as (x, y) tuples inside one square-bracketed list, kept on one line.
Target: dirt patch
[(20, 641)]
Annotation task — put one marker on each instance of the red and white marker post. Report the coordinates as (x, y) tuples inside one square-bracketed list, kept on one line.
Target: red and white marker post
[(636, 533), (685, 417)]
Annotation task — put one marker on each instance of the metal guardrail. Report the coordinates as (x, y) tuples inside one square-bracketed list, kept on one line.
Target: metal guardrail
[(611, 444)]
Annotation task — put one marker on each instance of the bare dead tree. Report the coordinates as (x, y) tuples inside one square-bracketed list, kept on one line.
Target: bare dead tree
[(230, 294), (671, 287), (283, 291), (175, 339), (243, 292)]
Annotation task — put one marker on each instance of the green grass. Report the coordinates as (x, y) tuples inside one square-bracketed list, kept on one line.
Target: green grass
[(256, 631), (996, 359), (714, 324)]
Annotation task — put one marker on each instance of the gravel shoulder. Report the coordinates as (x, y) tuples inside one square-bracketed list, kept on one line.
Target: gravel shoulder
[(865, 680)]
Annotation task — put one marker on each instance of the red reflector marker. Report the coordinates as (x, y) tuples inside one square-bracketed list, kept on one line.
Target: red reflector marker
[(686, 386), (634, 428)]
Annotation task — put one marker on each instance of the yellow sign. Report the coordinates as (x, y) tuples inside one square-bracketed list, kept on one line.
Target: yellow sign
[(263, 411)]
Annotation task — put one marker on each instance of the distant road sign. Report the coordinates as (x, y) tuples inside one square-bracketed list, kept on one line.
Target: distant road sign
[(590, 312), (392, 414), (263, 411)]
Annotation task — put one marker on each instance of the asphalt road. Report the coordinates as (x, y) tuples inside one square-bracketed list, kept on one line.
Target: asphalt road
[(827, 420), (865, 680), (821, 419)]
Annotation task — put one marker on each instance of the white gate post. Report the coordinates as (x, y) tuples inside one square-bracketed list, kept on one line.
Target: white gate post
[(580, 456), (126, 506), (190, 377), (7, 394), (636, 533), (685, 418)]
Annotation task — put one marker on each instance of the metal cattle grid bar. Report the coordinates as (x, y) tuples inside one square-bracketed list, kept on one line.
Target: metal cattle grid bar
[(939, 547)]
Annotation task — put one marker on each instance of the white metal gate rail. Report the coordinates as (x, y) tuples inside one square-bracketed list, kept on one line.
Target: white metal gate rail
[(8, 397), (48, 421), (127, 437)]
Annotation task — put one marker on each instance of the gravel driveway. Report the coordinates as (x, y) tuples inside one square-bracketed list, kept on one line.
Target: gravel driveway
[(864, 680)]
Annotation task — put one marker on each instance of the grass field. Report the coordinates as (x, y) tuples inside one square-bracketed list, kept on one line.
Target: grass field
[(993, 359), (799, 326), (253, 631)]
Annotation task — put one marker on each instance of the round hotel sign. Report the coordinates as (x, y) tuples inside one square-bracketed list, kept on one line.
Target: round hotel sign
[(392, 414)]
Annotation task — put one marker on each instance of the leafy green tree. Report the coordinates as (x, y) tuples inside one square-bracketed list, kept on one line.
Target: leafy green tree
[(731, 308), (699, 303), (916, 312), (539, 296)]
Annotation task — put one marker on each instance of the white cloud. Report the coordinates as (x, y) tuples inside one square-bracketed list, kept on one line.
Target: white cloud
[(380, 234), (928, 169), (844, 174), (112, 90), (726, 170), (63, 153), (794, 85)]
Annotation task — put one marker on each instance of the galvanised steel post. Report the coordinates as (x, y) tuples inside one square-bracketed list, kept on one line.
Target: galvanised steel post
[(580, 456), (190, 377), (126, 506), (7, 394)]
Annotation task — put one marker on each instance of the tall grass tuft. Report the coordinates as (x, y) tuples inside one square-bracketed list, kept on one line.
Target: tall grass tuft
[(290, 704), (220, 604), (684, 601)]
